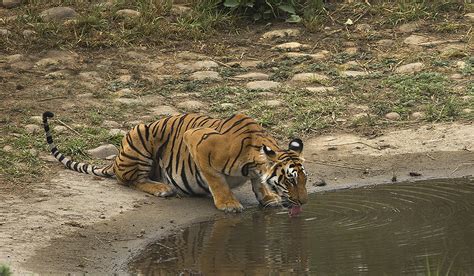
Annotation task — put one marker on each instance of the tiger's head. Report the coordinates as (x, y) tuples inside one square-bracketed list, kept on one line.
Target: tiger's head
[(285, 173)]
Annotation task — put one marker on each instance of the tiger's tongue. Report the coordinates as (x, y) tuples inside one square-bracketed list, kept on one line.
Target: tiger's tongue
[(295, 210)]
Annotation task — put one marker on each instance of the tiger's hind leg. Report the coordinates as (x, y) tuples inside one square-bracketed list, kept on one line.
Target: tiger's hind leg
[(155, 188)]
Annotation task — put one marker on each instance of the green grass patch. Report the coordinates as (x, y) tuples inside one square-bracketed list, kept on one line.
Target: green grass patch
[(5, 270)]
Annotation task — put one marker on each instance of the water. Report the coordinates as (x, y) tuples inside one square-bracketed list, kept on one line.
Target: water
[(399, 229)]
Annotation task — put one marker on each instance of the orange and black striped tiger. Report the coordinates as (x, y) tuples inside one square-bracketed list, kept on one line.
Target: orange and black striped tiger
[(196, 155)]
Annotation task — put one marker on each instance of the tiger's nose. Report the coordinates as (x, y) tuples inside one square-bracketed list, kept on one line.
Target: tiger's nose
[(303, 200)]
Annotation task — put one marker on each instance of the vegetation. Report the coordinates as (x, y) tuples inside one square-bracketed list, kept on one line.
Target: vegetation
[(5, 270)]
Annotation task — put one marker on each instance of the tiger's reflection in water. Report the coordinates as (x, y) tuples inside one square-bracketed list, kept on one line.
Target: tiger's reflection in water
[(215, 249)]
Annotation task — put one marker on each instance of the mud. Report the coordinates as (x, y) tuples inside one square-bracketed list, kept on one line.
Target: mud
[(82, 224)]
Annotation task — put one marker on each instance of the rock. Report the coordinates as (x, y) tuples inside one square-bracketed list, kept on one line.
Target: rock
[(410, 68), (36, 119), (291, 46), (408, 27), (453, 51), (59, 129), (252, 76), (227, 105), (58, 14), (469, 16), (386, 42), (45, 62), (244, 63), (198, 65), (467, 110), (320, 55), (273, 103), (126, 92), (117, 132), (22, 65), (5, 32), (128, 13), (262, 85), (103, 151), (164, 110), (310, 77), (7, 148), (392, 116), (15, 58), (363, 28), (58, 75), (125, 78), (128, 101), (29, 33), (320, 89), (33, 152), (415, 40), (281, 33), (351, 50), (456, 76), (11, 3), (461, 64), (205, 75), (417, 115), (352, 74), (32, 129), (180, 10), (191, 105), (110, 124)]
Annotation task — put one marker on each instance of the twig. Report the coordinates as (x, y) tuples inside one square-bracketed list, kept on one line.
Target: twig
[(53, 98), (162, 245), (68, 127), (351, 143), (460, 165)]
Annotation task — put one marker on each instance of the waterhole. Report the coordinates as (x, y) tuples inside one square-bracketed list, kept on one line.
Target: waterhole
[(424, 228)]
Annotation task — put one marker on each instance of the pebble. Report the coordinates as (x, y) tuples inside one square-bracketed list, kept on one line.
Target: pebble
[(456, 76), (351, 50), (7, 148), (350, 73), (244, 63), (59, 129), (117, 132), (36, 119), (363, 28), (310, 77), (320, 89), (393, 116), (33, 152), (110, 124), (273, 103), (32, 129), (205, 75), (45, 62), (320, 55), (58, 14), (291, 46), (103, 151), (408, 27), (467, 110), (461, 64), (128, 101), (125, 78), (262, 85), (252, 76), (125, 92), (198, 65), (57, 75), (29, 33), (11, 3), (164, 110), (128, 13), (281, 33), (415, 40), (191, 105), (417, 115), (410, 68)]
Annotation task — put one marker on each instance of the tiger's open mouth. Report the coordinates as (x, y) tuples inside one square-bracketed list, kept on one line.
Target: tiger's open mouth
[(294, 210)]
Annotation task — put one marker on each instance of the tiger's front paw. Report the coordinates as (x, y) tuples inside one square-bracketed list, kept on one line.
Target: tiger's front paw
[(230, 206), (272, 200)]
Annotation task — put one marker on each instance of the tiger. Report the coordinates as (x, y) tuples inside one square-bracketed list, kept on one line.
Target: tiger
[(197, 155)]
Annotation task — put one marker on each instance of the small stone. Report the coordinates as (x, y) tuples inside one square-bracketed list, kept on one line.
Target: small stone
[(110, 124), (102, 216), (363, 28), (125, 92), (456, 76), (310, 77), (281, 33), (11, 3), (386, 42), (7, 148), (5, 32), (393, 116), (453, 51), (117, 132), (408, 27), (164, 110), (350, 73), (320, 89), (125, 78), (103, 151), (351, 50), (273, 103), (227, 105), (467, 110), (461, 64), (205, 75), (262, 85), (33, 152), (59, 129), (417, 115), (244, 63), (252, 76), (204, 64), (291, 46), (180, 10), (415, 40), (410, 68), (469, 16), (128, 101), (32, 129), (58, 14), (28, 33), (45, 62), (191, 105), (318, 56), (57, 75), (36, 119), (128, 13)]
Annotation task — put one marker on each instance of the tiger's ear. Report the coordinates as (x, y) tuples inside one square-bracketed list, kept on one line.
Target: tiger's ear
[(296, 145), (268, 152)]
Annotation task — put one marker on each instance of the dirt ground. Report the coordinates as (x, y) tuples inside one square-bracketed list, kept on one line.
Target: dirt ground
[(375, 102), (82, 224)]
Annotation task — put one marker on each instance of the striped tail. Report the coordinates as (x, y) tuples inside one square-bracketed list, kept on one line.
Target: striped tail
[(106, 171)]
